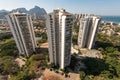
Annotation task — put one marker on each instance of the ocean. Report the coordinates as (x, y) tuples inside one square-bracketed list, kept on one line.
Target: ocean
[(115, 19)]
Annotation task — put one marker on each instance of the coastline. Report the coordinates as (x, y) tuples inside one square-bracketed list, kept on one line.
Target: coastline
[(114, 19)]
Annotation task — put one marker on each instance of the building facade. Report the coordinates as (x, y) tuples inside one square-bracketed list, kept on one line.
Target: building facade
[(22, 29), (59, 25), (88, 27)]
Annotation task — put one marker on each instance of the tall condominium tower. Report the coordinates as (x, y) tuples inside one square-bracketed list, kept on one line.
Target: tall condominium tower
[(22, 30), (59, 25), (87, 30)]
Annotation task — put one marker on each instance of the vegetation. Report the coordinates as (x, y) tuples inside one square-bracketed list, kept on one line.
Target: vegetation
[(41, 34), (107, 68), (43, 37), (4, 36), (117, 29), (95, 66), (23, 75), (76, 31), (74, 39), (8, 48), (8, 65), (39, 24), (104, 41), (40, 60), (33, 68), (76, 27)]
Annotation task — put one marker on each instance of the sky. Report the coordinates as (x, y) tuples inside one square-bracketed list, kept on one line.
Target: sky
[(98, 7)]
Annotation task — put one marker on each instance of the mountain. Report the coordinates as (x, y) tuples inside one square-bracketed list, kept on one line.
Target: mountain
[(3, 13), (36, 11), (20, 9)]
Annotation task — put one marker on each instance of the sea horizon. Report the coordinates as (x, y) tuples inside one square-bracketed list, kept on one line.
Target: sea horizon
[(108, 18)]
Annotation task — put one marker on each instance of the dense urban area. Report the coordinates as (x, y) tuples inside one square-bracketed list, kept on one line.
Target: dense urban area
[(100, 63)]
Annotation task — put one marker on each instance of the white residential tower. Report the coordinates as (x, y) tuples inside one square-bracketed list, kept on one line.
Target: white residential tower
[(59, 25), (22, 29), (88, 27)]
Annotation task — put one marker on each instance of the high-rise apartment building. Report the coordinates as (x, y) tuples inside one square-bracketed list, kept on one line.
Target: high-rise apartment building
[(22, 29), (59, 25), (87, 30)]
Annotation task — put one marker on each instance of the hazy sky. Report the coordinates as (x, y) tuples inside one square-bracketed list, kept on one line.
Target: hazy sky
[(98, 7)]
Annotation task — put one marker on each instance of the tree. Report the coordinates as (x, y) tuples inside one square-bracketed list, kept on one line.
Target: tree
[(4, 36), (8, 65), (106, 75), (23, 76), (117, 29), (82, 75), (74, 39), (115, 40), (110, 49), (34, 66), (36, 61), (95, 66), (44, 35), (9, 49), (37, 57)]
